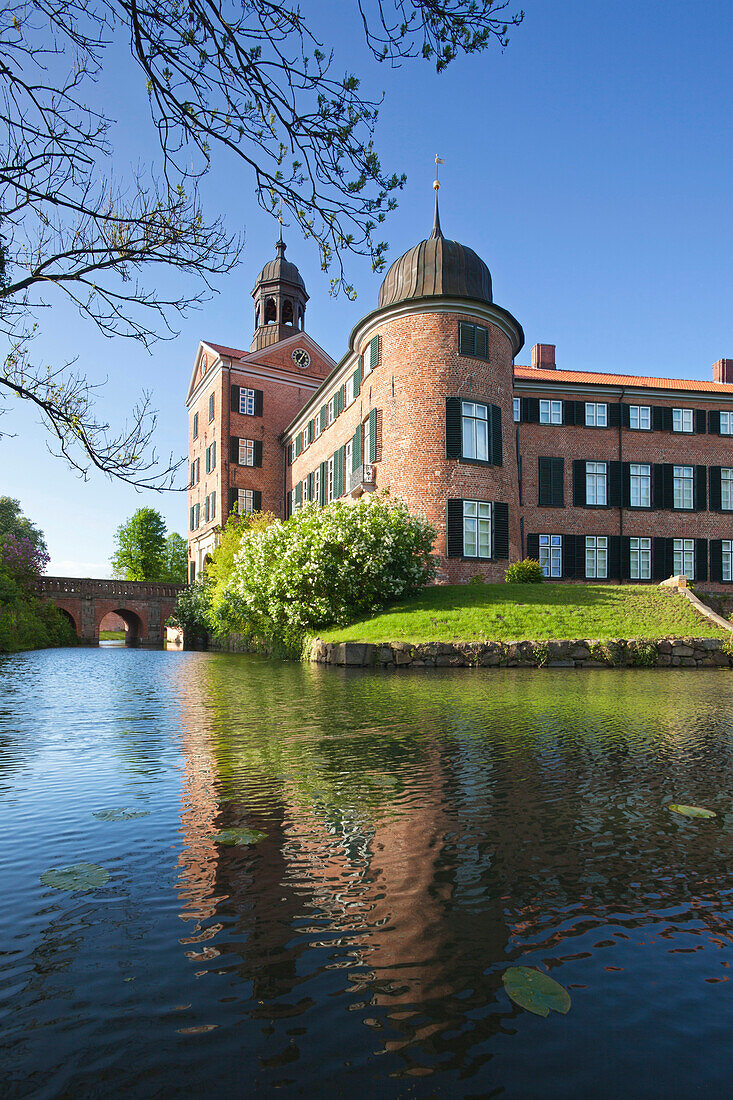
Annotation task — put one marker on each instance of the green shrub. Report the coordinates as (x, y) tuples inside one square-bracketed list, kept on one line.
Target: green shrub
[(27, 622), (528, 571), (325, 566)]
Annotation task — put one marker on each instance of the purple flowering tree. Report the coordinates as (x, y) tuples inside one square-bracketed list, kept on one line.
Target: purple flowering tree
[(23, 559)]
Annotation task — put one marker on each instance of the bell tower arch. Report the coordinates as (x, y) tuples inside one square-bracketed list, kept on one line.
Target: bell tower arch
[(279, 301)]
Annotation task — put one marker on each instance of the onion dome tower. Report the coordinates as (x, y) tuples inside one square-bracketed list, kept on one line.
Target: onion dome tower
[(280, 297), (436, 266)]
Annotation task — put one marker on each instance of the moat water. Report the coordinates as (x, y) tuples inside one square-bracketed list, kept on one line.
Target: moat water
[(421, 832)]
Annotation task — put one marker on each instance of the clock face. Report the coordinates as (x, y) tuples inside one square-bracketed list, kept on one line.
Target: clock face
[(301, 358)]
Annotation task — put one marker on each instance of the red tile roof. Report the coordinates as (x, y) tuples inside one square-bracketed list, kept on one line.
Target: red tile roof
[(536, 375), (232, 353)]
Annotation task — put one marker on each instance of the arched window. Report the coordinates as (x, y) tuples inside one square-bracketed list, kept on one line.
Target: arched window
[(287, 312), (270, 311), (300, 317), (257, 316)]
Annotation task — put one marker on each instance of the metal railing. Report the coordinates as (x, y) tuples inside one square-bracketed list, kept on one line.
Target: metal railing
[(362, 477)]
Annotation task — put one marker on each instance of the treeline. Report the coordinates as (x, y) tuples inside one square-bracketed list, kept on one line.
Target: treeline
[(25, 621)]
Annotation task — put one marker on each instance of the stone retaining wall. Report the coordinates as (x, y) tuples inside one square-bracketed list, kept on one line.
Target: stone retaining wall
[(574, 653)]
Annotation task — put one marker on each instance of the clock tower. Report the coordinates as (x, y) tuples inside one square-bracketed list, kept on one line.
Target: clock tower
[(279, 298)]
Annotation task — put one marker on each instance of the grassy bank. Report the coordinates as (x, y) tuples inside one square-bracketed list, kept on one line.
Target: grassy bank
[(513, 612), (29, 623)]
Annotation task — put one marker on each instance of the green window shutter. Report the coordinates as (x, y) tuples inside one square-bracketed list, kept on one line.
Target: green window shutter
[(713, 429), (716, 559), (615, 484), (357, 379), (613, 561), (233, 498), (234, 394), (579, 482), (257, 500), (310, 486), (558, 482), (311, 430), (570, 554), (324, 417), (453, 430), (501, 529), (716, 491), (700, 423), (496, 442), (356, 449), (700, 495), (373, 352), (342, 398), (298, 492), (454, 528), (701, 559), (466, 339), (258, 452), (614, 415), (373, 435), (533, 547), (544, 481), (625, 556), (234, 450), (662, 558), (482, 342), (298, 444), (324, 483)]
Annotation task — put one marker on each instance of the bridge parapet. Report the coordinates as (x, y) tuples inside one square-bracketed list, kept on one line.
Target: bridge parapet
[(90, 586)]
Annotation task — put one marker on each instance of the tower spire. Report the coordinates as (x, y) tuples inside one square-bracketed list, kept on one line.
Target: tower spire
[(437, 231)]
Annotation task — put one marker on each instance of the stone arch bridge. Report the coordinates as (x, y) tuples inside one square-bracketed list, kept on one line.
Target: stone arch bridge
[(143, 605)]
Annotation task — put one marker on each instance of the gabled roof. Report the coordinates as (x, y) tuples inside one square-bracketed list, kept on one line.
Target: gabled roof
[(579, 377), (247, 358)]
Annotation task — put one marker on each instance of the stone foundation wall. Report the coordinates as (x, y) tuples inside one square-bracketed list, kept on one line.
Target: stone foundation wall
[(573, 653)]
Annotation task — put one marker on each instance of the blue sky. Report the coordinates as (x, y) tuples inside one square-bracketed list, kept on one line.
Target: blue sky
[(589, 164)]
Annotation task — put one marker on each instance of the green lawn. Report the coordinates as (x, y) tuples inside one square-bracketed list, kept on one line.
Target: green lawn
[(514, 612), (111, 635)]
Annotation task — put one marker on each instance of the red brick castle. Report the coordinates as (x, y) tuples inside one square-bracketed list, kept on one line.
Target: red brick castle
[(600, 476)]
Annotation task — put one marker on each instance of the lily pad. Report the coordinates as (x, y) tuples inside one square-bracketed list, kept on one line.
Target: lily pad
[(79, 876), (691, 811), (239, 836), (120, 813), (535, 991)]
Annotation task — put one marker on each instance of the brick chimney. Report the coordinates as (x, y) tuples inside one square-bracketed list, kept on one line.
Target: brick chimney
[(543, 357), (722, 370)]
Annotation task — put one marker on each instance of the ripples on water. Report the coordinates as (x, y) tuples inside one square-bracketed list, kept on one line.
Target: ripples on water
[(423, 832)]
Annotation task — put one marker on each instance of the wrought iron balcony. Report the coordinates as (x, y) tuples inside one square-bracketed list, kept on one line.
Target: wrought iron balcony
[(361, 480)]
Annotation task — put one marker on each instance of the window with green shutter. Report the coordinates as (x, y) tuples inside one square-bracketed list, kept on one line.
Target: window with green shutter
[(357, 379), (373, 352), (356, 449), (373, 435), (473, 340)]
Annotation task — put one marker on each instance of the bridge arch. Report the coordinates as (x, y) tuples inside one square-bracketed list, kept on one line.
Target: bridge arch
[(68, 615), (143, 605), (135, 620)]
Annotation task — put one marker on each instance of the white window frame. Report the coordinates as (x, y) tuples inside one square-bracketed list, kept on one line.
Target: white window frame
[(683, 420), (477, 529), (246, 401), (331, 410), (596, 557), (317, 485), (683, 558), (317, 425), (728, 429), (596, 484), (348, 455), (331, 475), (349, 390), (596, 414), (550, 411), (726, 488), (642, 414), (304, 490), (640, 559), (683, 488), (246, 452), (245, 501), (727, 554), (551, 555), (475, 431), (517, 409), (366, 441), (640, 485)]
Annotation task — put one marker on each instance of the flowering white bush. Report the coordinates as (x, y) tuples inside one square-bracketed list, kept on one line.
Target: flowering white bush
[(326, 566)]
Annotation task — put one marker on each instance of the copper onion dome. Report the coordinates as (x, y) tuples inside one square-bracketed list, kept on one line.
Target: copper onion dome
[(436, 266)]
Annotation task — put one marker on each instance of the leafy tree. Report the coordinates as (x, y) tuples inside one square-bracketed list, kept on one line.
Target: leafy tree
[(141, 547), (246, 77), (176, 558), (14, 523)]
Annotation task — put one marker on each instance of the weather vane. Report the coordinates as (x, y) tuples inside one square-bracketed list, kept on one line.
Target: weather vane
[(436, 181)]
